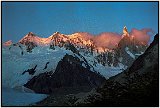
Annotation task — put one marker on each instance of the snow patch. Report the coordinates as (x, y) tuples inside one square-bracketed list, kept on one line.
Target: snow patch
[(139, 54), (128, 52)]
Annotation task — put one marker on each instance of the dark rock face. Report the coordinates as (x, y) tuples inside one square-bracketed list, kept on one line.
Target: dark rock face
[(30, 71), (30, 46), (133, 46), (136, 86), (69, 74)]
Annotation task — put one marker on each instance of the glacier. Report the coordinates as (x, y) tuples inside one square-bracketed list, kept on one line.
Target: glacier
[(128, 52), (14, 64), (12, 97)]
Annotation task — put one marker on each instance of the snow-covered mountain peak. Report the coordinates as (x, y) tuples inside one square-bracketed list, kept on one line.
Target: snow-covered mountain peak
[(57, 34), (33, 38), (81, 40), (8, 43)]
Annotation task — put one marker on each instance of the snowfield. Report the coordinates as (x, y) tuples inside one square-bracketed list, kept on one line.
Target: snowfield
[(14, 64), (128, 52)]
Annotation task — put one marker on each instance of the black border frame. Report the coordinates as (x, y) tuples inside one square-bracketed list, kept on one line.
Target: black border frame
[(61, 1)]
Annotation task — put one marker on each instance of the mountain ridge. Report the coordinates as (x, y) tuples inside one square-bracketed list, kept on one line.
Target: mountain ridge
[(85, 37), (126, 51)]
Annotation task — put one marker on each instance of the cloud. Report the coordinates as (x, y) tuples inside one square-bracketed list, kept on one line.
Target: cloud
[(142, 35), (110, 39), (107, 39)]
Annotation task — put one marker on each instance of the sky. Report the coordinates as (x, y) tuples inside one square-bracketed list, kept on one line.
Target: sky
[(45, 18)]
